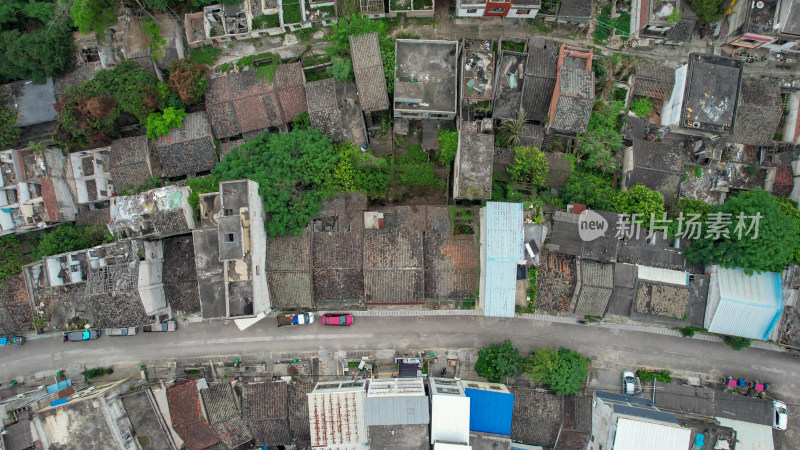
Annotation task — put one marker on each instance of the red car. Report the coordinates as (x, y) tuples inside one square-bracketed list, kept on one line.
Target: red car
[(337, 320)]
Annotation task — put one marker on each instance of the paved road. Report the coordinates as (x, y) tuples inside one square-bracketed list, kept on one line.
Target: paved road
[(609, 347)]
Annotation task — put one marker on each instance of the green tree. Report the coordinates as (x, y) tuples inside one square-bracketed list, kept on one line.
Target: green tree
[(569, 375), (771, 250), (9, 132), (201, 185), (541, 363), (789, 207), (11, 257), (159, 124), (510, 129), (355, 25), (687, 207), (448, 143), (602, 138), (341, 69), (602, 161), (640, 200), (529, 166), (361, 172), (93, 15), (188, 80), (69, 238), (301, 121), (591, 190), (642, 107), (499, 362), (413, 171), (708, 11), (736, 342), (34, 44), (294, 171)]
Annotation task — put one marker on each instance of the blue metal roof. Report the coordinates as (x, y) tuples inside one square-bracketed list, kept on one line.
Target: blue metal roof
[(490, 412), (504, 239), (749, 305)]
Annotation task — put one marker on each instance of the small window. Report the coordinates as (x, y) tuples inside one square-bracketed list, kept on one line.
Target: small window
[(498, 10), (523, 12), (228, 212), (229, 237), (472, 11)]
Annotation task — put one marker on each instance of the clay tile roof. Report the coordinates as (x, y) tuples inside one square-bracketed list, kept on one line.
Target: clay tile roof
[(223, 120), (289, 75), (189, 149), (323, 109), (759, 112), (129, 161), (293, 102), (264, 400), (187, 417), (368, 69)]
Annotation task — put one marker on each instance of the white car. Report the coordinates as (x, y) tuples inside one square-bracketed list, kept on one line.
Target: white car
[(130, 331), (779, 415), (628, 383)]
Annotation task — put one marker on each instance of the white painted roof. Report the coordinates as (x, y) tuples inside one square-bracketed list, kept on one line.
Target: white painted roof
[(750, 436), (450, 419), (634, 434), (666, 276)]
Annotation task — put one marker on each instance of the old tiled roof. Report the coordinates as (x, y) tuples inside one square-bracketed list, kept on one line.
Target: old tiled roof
[(653, 80), (575, 100), (323, 108), (290, 290), (759, 112), (223, 413), (129, 162), (684, 29), (265, 410), (265, 400), (243, 102), (368, 69), (189, 149), (122, 309), (187, 417), (50, 200), (394, 286), (540, 78)]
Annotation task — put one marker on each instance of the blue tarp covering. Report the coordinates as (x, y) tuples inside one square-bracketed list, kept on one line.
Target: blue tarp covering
[(490, 412), (59, 402), (59, 386)]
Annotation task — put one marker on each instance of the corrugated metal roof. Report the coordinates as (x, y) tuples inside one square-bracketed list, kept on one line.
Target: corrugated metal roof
[(750, 436), (749, 305), (450, 419), (504, 248), (490, 412), (337, 419), (396, 411), (642, 435), (667, 276)]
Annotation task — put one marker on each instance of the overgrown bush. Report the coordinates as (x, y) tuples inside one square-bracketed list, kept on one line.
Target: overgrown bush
[(736, 342), (69, 238), (563, 371), (159, 124), (529, 166), (206, 54), (689, 331), (341, 69), (361, 172), (647, 376), (201, 185), (448, 144), (96, 372), (642, 107), (499, 362), (188, 80), (9, 131)]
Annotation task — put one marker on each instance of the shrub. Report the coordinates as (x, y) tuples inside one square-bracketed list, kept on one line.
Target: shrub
[(68, 238), (201, 185), (736, 342), (529, 166), (301, 121), (499, 362), (689, 331), (341, 69), (647, 376), (642, 107), (448, 142), (99, 371), (159, 124), (9, 131), (188, 80), (207, 54)]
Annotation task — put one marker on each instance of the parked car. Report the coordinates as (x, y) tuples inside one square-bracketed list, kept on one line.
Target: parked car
[(83, 335), (628, 383), (337, 320), (169, 325), (295, 319), (779, 415), (12, 340), (129, 331)]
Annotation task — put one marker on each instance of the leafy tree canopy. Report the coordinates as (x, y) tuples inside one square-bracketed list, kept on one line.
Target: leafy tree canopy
[(35, 40), (529, 166), (9, 131), (570, 372), (201, 185), (541, 363), (591, 190), (642, 107), (355, 25), (708, 11), (159, 124), (361, 172), (294, 171), (93, 15), (68, 238), (341, 69), (640, 200), (773, 248), (188, 80), (602, 138), (499, 361)]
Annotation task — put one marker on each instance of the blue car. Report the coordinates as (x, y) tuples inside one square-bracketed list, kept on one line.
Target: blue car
[(12, 340)]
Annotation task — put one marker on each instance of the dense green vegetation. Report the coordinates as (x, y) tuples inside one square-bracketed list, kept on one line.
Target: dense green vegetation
[(35, 40), (774, 247), (563, 371), (201, 185), (529, 166), (355, 25), (598, 146), (9, 131), (736, 342), (642, 107), (708, 11), (188, 80), (159, 124), (499, 362), (206, 54), (341, 69), (69, 238), (448, 144), (647, 376)]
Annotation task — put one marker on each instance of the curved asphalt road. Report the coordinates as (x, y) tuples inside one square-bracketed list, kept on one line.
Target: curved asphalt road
[(610, 347)]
